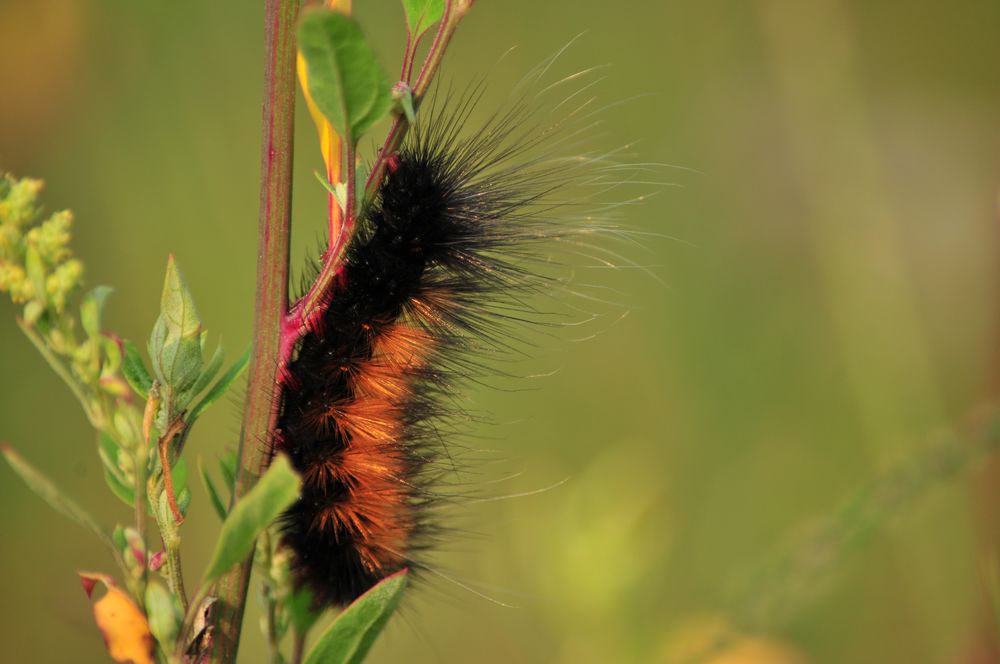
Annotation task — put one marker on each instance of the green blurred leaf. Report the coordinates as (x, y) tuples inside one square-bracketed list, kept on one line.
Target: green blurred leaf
[(92, 310), (221, 386), (163, 614), (422, 14), (179, 476), (51, 494), (227, 466), (345, 78), (300, 609), (120, 484), (277, 489), (352, 634), (134, 370), (213, 494)]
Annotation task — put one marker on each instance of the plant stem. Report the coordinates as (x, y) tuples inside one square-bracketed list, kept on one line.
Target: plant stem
[(298, 647), (307, 309), (274, 227)]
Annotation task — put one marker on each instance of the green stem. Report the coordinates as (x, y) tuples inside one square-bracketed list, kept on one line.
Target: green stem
[(273, 232)]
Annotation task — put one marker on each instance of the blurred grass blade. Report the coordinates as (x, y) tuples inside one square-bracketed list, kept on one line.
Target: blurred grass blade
[(277, 489), (352, 634), (213, 493), (51, 494)]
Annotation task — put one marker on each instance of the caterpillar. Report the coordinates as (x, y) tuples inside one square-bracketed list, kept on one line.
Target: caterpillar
[(435, 280)]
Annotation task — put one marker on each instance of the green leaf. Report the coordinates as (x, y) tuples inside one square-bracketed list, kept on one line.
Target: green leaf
[(175, 343), (120, 484), (277, 489), (163, 614), (211, 369), (213, 494), (182, 493), (227, 466), (352, 634), (345, 78), (422, 14), (92, 310), (221, 386), (51, 494), (300, 609), (134, 370)]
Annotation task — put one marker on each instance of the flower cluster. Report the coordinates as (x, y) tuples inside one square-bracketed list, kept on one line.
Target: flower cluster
[(36, 266)]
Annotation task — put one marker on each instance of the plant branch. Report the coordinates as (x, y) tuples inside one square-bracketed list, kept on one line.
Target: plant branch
[(303, 315), (274, 228)]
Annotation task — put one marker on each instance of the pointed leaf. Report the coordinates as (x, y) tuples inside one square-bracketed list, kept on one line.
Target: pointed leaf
[(211, 369), (134, 370), (124, 627), (213, 494), (227, 466), (352, 634), (421, 15), (49, 492), (221, 386), (92, 309), (277, 489), (344, 76), (175, 343)]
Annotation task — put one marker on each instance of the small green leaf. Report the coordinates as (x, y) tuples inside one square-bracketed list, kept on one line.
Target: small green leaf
[(120, 484), (277, 489), (422, 14), (345, 78), (227, 466), (403, 96), (163, 614), (175, 343), (301, 611), (51, 494), (211, 369), (221, 386), (213, 494), (92, 310), (182, 493), (352, 634), (134, 370)]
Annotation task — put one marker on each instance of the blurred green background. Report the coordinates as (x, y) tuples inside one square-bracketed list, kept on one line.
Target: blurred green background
[(829, 305)]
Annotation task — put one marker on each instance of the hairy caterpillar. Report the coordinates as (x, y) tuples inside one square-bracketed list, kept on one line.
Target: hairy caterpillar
[(435, 278)]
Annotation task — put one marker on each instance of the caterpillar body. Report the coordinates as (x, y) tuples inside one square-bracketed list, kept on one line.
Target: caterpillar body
[(434, 278)]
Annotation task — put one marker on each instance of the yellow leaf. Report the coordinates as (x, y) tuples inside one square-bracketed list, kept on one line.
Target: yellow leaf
[(329, 140), (124, 627)]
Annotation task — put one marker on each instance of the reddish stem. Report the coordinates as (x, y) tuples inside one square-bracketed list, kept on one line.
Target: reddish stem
[(304, 315)]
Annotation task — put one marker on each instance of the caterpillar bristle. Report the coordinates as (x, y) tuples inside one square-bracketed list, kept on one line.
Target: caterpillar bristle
[(445, 266)]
